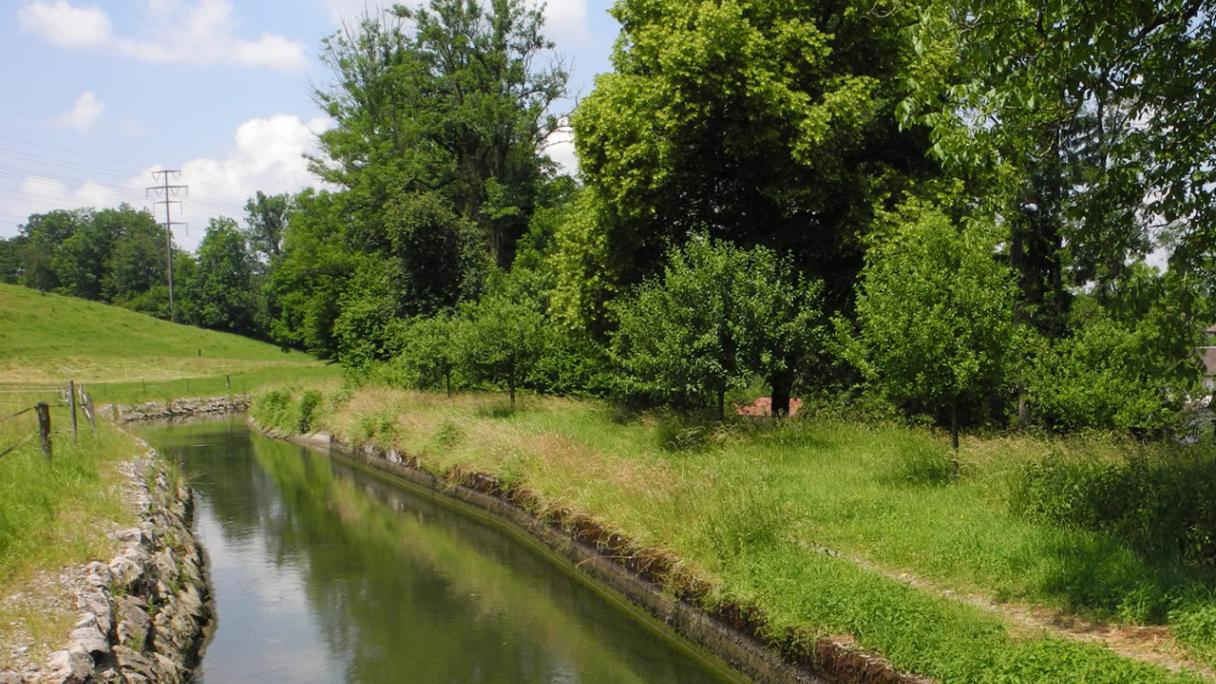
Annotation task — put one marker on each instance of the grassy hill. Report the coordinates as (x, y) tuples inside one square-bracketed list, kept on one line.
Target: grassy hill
[(45, 339)]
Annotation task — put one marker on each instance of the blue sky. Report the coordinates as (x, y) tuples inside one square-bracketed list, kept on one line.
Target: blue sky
[(101, 93)]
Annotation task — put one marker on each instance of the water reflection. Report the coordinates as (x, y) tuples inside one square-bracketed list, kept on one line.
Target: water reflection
[(325, 573)]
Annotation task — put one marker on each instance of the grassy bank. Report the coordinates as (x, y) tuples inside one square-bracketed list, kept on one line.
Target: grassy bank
[(54, 515), (829, 527)]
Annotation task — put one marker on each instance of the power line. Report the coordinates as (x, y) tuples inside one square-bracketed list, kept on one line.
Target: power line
[(168, 192)]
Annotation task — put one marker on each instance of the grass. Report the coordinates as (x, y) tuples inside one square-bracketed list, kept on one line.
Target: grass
[(46, 339), (814, 521), (54, 515)]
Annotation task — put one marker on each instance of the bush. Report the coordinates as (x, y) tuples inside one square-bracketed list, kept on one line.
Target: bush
[(280, 409), (1163, 504)]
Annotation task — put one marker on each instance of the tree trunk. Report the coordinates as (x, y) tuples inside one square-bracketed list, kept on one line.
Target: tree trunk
[(780, 385), (954, 439)]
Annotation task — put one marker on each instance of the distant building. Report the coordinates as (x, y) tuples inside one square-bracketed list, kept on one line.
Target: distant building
[(1208, 354)]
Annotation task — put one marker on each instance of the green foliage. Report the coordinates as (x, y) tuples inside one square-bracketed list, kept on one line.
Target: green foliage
[(1164, 504), (583, 268), (682, 339), (1195, 626), (765, 123), (221, 294), (451, 95), (718, 315), (266, 218), (1043, 108), (935, 313), (283, 410), (441, 261), (369, 307), (428, 355), (305, 286), (1128, 365), (499, 341)]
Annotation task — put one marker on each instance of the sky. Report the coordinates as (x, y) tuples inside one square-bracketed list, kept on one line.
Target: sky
[(100, 94)]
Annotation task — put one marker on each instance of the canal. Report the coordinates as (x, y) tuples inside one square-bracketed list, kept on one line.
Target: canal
[(325, 572)]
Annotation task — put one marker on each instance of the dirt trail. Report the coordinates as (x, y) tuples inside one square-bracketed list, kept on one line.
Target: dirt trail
[(1147, 643)]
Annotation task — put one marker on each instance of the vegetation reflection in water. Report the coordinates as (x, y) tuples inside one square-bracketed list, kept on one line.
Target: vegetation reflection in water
[(324, 572)]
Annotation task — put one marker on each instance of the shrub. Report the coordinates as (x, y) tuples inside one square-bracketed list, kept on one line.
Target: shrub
[(1161, 503)]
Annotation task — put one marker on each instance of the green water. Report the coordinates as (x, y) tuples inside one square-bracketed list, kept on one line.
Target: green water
[(324, 572)]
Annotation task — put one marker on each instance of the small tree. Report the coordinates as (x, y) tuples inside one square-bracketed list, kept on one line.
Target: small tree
[(783, 323), (498, 341), (936, 316), (681, 338), (428, 356)]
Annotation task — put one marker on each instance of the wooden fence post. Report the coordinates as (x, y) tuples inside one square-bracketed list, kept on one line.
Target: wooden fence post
[(44, 427), (72, 406), (86, 402)]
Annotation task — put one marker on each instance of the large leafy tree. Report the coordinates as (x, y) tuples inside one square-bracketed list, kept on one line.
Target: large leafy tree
[(266, 223), (221, 293), (766, 123), (44, 234), (137, 261), (304, 289), (452, 97), (1088, 127)]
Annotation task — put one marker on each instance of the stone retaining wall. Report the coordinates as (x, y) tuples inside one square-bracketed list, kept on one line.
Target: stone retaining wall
[(144, 616), (180, 408)]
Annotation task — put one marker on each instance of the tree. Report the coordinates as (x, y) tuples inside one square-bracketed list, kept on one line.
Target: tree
[(682, 338), (266, 223), (935, 312), (137, 259), (428, 356), (222, 293), (440, 260), (305, 287), (43, 234), (368, 308), (1088, 128), (499, 340), (79, 261), (10, 258), (450, 97), (764, 123), (1128, 365), (783, 322)]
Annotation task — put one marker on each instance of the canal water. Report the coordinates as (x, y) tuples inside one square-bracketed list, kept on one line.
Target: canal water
[(325, 572)]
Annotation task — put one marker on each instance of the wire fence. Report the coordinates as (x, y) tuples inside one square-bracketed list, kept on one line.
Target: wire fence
[(44, 429)]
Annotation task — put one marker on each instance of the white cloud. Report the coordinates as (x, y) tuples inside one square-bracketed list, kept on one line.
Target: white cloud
[(83, 114), (200, 33), (65, 24), (566, 23), (560, 148)]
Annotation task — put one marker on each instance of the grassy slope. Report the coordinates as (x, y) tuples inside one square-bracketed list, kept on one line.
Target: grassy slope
[(754, 509), (47, 338), (52, 514)]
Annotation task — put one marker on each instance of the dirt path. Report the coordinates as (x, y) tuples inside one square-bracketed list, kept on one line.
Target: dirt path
[(1153, 644)]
